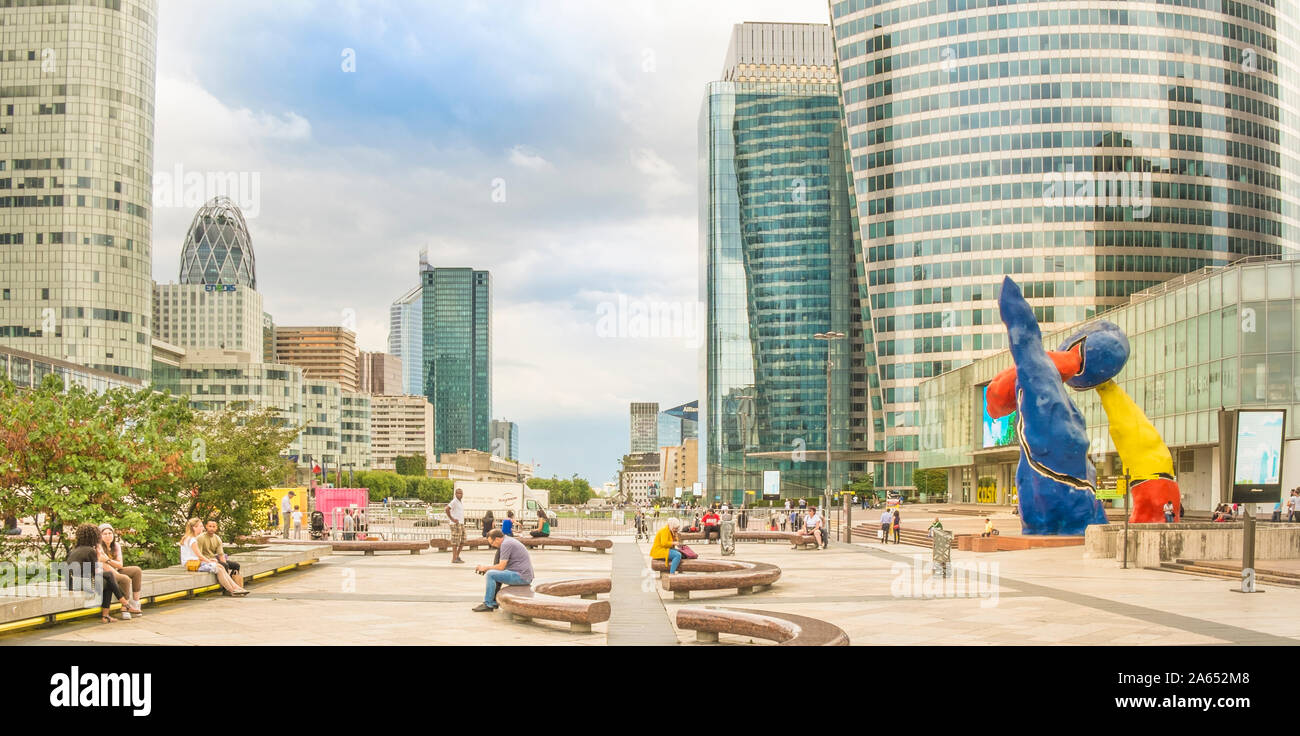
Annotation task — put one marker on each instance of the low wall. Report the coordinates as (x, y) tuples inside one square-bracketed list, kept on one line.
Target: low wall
[(1151, 544), (51, 601)]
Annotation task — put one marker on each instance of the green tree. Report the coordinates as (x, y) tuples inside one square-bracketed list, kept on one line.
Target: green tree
[(126, 457), (932, 482), (862, 484), (413, 465), (241, 451)]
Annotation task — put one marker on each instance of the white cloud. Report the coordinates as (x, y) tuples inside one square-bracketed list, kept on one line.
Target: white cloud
[(527, 158)]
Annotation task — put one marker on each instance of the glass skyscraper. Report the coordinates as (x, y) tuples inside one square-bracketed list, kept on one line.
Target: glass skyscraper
[(76, 182), (457, 357), (778, 266), (406, 338), (1088, 149), (217, 248), (679, 423)]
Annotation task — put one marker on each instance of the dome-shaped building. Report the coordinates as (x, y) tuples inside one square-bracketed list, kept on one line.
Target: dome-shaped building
[(217, 247)]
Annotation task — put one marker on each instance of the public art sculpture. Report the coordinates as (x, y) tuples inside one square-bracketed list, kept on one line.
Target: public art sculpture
[(1056, 481)]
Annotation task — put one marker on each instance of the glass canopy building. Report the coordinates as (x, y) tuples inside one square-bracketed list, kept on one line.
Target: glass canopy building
[(218, 249), (778, 266), (457, 357), (1089, 149)]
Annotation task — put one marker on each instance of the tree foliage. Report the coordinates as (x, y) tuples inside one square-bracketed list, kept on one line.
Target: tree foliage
[(413, 465), (930, 482), (570, 491), (385, 484)]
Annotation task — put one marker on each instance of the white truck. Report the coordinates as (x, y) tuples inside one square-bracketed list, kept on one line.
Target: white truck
[(482, 496)]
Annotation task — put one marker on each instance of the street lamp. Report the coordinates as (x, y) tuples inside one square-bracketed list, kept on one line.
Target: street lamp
[(829, 337)]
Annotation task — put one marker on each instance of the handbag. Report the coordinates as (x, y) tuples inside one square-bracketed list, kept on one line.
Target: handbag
[(192, 565), (688, 553), (880, 534)]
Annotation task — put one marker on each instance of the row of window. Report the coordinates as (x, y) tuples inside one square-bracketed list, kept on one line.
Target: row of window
[(1034, 19), (1040, 215), (1098, 165), (58, 200), (978, 292), (949, 53)]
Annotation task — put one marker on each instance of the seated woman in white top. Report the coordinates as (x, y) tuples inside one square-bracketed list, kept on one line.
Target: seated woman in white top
[(190, 552)]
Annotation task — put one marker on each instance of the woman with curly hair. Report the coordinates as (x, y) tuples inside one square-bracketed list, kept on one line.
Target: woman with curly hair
[(87, 574)]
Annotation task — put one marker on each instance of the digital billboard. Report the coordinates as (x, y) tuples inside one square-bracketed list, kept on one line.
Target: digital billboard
[(1257, 466), (772, 483), (1000, 432)]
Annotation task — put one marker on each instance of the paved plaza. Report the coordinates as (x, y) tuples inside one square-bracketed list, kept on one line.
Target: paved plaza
[(878, 594)]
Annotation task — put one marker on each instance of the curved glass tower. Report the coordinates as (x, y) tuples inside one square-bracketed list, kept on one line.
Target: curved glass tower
[(1088, 149), (217, 247)]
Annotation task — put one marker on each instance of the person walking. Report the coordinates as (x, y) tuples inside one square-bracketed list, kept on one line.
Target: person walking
[(897, 525), (886, 523), (489, 521), (455, 510)]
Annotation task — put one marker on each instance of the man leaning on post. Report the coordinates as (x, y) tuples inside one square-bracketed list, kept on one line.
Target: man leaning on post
[(514, 568)]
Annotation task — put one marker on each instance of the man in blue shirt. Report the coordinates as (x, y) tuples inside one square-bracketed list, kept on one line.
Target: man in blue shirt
[(508, 526), (514, 568)]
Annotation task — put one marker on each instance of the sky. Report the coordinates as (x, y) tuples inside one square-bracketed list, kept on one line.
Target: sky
[(552, 143)]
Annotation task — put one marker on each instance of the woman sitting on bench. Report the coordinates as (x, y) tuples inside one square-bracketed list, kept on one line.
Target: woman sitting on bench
[(665, 545), (543, 525), (194, 561)]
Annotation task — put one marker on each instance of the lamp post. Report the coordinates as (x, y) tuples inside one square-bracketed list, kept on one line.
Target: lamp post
[(829, 337)]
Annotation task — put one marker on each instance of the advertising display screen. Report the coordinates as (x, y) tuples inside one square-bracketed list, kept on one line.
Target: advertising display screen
[(772, 483), (1257, 467), (1000, 432)]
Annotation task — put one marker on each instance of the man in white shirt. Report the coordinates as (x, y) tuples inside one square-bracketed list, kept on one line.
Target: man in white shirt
[(286, 511), (886, 521), (456, 515)]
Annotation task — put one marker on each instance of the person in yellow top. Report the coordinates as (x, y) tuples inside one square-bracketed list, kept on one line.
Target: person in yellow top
[(988, 528), (665, 545)]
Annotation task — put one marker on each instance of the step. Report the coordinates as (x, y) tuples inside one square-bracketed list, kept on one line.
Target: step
[(1234, 567), (1216, 572)]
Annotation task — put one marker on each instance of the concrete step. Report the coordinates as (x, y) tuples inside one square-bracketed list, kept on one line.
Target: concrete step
[(1234, 567), (1227, 574)]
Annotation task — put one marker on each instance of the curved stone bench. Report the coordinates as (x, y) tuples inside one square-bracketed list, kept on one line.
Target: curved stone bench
[(574, 543), (786, 629), (745, 577), (805, 541), (548, 601), (371, 546)]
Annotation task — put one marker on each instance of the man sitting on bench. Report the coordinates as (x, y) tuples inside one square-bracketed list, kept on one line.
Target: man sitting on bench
[(813, 523), (514, 568), (711, 524)]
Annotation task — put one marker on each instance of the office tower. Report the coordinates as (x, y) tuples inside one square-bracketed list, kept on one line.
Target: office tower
[(777, 264), (218, 249), (639, 480), (505, 438), (77, 131), (216, 304), (406, 338), (268, 338), (322, 415), (457, 356), (679, 465), (400, 426), (644, 427), (355, 430), (379, 373), (323, 353), (678, 423), (1090, 150)]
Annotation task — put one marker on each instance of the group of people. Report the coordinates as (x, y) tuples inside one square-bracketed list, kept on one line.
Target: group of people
[(455, 510), (1290, 505), (95, 565), (890, 521)]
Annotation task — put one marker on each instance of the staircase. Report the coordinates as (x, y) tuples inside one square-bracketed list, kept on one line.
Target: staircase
[(1231, 571), (867, 533)]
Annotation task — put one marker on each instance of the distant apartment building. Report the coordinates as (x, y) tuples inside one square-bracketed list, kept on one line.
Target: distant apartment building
[(400, 426), (640, 480), (355, 432), (680, 466), (644, 427), (323, 353), (379, 373), (483, 465)]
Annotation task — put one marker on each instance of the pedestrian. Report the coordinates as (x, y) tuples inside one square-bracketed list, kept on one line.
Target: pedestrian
[(349, 526), (886, 524), (897, 525), (297, 523), (489, 521), (1169, 512), (455, 510), (1293, 506), (508, 525), (1277, 510), (286, 511)]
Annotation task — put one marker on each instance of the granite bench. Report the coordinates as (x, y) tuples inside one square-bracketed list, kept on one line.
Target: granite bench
[(745, 577), (574, 543), (368, 546), (553, 601), (785, 629)]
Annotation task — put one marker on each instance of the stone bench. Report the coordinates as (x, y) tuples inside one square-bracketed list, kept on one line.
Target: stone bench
[(745, 577), (785, 629), (805, 541), (553, 601), (368, 546), (574, 543), (697, 536)]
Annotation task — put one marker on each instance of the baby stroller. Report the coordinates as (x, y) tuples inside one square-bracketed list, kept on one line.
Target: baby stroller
[(317, 525)]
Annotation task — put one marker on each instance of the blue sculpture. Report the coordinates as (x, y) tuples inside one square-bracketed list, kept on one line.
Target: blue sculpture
[(1054, 479)]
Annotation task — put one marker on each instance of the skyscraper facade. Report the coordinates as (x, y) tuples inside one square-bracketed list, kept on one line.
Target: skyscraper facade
[(1088, 149), (644, 427), (457, 356), (679, 423), (76, 134), (324, 353), (406, 338), (505, 438), (778, 260), (379, 373)]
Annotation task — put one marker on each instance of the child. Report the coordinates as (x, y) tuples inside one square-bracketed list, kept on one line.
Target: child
[(297, 523)]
